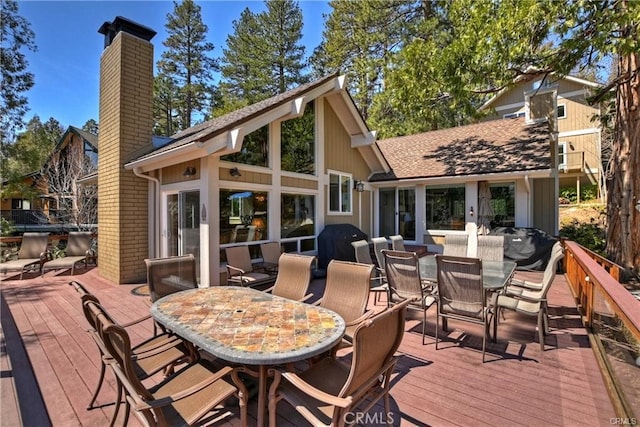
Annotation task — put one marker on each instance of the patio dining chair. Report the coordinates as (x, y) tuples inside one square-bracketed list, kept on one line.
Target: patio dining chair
[(294, 275), (240, 269), (378, 280), (461, 295), (549, 272), (379, 243), (329, 391), (159, 353), (172, 274), (455, 245), (397, 243), (271, 252), (78, 250), (530, 302), (490, 248), (403, 277), (183, 398), (33, 251), (347, 292)]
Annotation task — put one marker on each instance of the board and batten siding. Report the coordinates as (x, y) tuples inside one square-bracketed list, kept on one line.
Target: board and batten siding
[(545, 210)]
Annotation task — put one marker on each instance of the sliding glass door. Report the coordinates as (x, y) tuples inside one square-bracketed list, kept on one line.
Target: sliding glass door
[(181, 234)]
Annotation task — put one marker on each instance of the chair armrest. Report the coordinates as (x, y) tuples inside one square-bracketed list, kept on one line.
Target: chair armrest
[(237, 271), (310, 390), (306, 297), (135, 322), (191, 390), (360, 319)]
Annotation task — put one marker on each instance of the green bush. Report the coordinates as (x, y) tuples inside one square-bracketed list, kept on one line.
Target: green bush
[(592, 235), (570, 195)]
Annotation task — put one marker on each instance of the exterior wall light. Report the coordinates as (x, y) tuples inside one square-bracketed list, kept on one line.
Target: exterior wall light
[(358, 186), (189, 172), (471, 211), (234, 172)]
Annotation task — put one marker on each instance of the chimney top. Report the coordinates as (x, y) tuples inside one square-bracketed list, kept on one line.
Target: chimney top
[(110, 29)]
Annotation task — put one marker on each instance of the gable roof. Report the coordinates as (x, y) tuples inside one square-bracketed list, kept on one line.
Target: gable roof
[(498, 146), (224, 134), (532, 73)]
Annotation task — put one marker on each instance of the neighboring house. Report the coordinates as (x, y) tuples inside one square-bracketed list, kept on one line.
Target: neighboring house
[(44, 212), (279, 170), (436, 182), (564, 101)]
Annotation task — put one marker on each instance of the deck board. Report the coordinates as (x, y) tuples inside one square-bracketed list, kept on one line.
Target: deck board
[(518, 385)]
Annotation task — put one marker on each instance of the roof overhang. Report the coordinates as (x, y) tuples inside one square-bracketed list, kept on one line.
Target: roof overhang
[(460, 179)]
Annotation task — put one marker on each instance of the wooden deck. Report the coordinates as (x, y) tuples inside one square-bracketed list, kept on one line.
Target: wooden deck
[(50, 365)]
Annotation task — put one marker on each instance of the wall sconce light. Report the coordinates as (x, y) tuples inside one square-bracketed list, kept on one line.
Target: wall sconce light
[(234, 172), (471, 211), (358, 186), (189, 172)]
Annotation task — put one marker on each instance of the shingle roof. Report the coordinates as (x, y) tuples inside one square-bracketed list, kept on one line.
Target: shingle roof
[(231, 120), (507, 145)]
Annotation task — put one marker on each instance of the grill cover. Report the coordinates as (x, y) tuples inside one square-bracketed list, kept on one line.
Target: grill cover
[(334, 242), (530, 248)]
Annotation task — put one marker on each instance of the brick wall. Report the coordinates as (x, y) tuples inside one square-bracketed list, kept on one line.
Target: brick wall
[(126, 122)]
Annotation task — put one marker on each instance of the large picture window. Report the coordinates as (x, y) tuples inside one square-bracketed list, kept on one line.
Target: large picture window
[(298, 222), (255, 149), (243, 216), (297, 140), (339, 193), (445, 207)]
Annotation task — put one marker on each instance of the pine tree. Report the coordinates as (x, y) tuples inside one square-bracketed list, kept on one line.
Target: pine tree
[(186, 63), (16, 35)]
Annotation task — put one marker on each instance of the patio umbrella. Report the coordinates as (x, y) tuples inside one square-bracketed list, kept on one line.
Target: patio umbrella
[(485, 211)]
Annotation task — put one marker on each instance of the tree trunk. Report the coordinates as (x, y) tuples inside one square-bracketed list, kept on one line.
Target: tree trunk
[(623, 206)]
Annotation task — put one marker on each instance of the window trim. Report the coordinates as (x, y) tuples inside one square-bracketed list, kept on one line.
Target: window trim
[(339, 212), (562, 155), (514, 115), (564, 108)]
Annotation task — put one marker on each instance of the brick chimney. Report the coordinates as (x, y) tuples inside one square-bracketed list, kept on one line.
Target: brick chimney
[(126, 124)]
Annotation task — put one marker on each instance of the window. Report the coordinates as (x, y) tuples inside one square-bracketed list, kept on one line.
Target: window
[(243, 216), (514, 115), (562, 156), (255, 149), (339, 193), (297, 142), (503, 202), (562, 111), (298, 221), (445, 207), (91, 154)]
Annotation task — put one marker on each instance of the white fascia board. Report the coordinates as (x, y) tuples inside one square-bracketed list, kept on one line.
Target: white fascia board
[(498, 176), (171, 157), (363, 139)]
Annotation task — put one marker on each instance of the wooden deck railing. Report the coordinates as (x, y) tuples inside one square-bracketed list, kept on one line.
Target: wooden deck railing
[(612, 315)]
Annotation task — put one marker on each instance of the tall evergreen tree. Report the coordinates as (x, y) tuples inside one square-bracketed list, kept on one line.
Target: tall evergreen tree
[(15, 35), (186, 61), (264, 56)]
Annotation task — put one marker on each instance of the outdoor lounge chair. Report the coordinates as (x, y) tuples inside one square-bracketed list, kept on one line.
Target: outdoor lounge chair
[(33, 250), (78, 250), (378, 280), (240, 269), (332, 393), (294, 275), (461, 294), (182, 398), (403, 278), (151, 356)]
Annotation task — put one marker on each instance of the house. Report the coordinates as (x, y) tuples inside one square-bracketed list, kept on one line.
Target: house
[(436, 180), (564, 101), (280, 169), (46, 206)]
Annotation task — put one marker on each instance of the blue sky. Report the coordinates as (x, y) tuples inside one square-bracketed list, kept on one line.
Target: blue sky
[(67, 63)]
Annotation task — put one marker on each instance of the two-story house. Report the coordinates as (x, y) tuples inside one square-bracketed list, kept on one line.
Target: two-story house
[(562, 100)]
